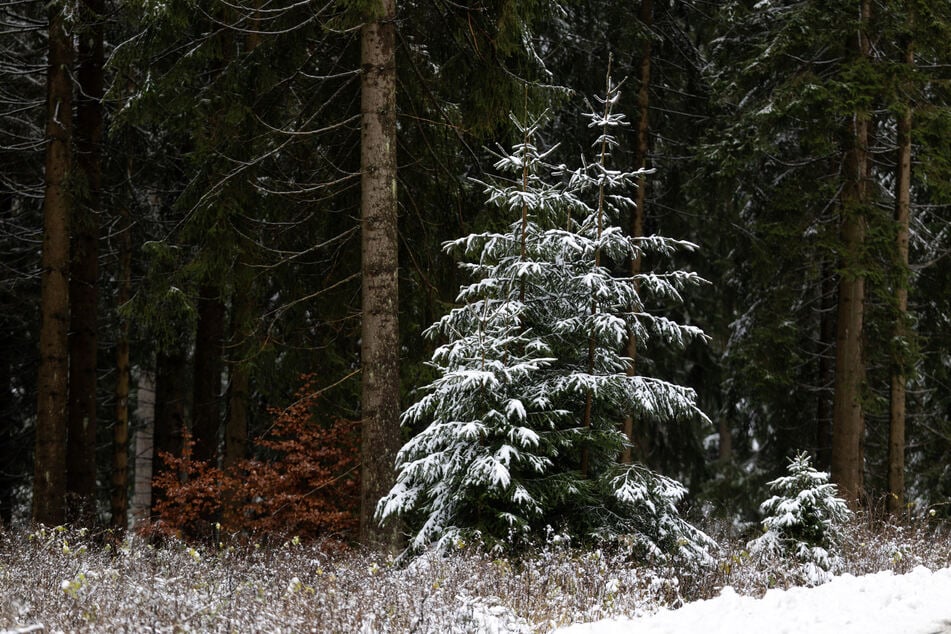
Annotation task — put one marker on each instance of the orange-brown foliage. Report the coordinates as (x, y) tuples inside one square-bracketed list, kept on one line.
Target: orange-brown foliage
[(306, 483)]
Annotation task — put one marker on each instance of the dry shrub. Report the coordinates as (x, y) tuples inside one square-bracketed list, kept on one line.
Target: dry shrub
[(307, 487), (68, 580)]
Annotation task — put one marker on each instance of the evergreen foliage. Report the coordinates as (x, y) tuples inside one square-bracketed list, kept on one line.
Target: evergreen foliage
[(232, 146), (803, 519), (520, 425), (786, 87)]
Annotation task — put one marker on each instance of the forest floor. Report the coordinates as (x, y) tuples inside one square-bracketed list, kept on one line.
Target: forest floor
[(72, 581)]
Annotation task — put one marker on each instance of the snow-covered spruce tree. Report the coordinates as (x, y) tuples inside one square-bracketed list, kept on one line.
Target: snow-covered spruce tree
[(522, 422), (804, 520)]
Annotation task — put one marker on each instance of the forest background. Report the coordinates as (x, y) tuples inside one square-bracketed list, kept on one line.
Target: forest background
[(214, 215)]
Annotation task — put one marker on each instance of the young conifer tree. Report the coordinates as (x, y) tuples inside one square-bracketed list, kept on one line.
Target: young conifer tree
[(805, 519), (522, 422)]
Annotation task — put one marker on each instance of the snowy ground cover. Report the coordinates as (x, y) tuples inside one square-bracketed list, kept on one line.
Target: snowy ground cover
[(918, 602), (71, 582)]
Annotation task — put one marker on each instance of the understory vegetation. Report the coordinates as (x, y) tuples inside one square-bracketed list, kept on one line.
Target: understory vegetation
[(73, 580)]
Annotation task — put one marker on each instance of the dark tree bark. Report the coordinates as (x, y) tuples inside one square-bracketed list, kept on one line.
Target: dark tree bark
[(84, 269), (848, 428), (639, 438), (7, 457), (49, 483), (243, 307), (380, 363), (120, 438), (143, 449), (169, 422), (826, 352), (9, 453), (236, 425), (206, 406), (896, 420)]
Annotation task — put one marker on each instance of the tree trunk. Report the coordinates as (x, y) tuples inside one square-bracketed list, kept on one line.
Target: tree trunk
[(236, 421), (236, 429), (243, 303), (120, 437), (848, 427), (7, 450), (141, 506), (84, 270), (206, 406), (725, 449), (236, 425), (169, 423), (896, 419), (380, 363), (640, 438), (824, 408), (49, 483)]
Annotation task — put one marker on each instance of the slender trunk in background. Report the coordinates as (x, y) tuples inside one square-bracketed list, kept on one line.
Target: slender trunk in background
[(141, 505), (206, 406), (7, 450), (380, 360), (49, 481), (725, 448), (640, 438), (896, 419), (827, 308), (169, 424), (120, 437), (8, 432), (848, 427), (207, 411), (236, 425), (243, 305), (84, 269)]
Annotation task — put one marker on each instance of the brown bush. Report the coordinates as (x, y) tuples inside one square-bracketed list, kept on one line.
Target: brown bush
[(305, 482)]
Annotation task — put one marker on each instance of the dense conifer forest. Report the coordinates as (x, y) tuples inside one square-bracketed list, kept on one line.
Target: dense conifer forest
[(403, 273)]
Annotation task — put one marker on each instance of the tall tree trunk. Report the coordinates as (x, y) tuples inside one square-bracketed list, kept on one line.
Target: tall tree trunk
[(49, 482), (896, 419), (236, 424), (84, 270), (640, 438), (848, 427), (206, 406), (827, 308), (239, 383), (120, 436), (380, 362), (141, 504), (243, 303), (169, 424), (7, 450)]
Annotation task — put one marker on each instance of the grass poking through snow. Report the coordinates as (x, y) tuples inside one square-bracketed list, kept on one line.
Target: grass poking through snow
[(72, 581)]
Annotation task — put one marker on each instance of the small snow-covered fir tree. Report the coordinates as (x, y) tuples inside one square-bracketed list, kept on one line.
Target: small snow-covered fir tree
[(521, 425), (804, 519)]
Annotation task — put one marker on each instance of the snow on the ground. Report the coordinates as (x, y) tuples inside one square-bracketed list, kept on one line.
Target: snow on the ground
[(915, 603)]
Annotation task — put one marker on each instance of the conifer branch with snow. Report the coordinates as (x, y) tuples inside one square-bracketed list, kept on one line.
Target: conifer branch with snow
[(804, 520)]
